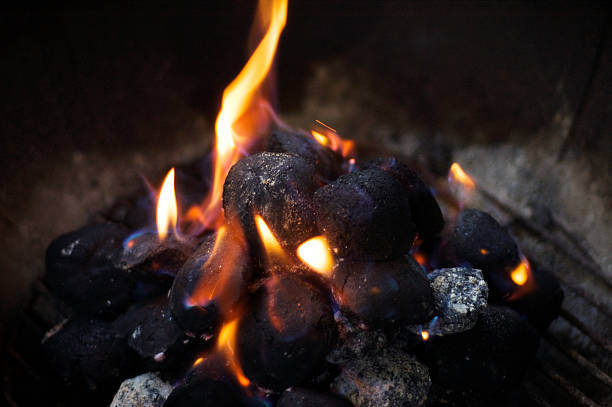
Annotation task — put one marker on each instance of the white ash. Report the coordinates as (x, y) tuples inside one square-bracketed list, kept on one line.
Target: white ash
[(460, 295), (146, 390), (391, 378), (355, 340)]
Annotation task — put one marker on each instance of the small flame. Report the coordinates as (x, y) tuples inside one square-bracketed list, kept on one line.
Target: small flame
[(425, 335), (461, 183), (167, 212), (226, 343), (484, 252), (271, 244), (321, 139), (520, 275), (241, 97), (420, 258), (328, 137), (198, 361), (316, 254)]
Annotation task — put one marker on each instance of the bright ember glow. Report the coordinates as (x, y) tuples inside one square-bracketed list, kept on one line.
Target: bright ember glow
[(167, 212), (520, 274), (316, 254), (425, 335), (226, 343), (321, 139), (271, 244), (457, 174), (243, 102)]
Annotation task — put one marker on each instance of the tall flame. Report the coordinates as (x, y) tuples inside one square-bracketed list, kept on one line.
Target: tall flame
[(242, 95), (315, 253), (226, 343), (167, 212)]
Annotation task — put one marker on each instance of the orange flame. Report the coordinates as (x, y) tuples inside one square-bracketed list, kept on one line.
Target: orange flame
[(321, 139), (226, 343), (521, 273), (271, 244), (316, 254), (425, 335), (328, 137), (241, 96), (167, 212), (461, 184)]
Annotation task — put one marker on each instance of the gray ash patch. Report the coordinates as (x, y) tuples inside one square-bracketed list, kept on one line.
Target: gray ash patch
[(146, 390)]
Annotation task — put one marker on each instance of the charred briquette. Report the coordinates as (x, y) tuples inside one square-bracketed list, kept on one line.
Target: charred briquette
[(538, 300), (426, 213), (211, 283), (489, 360), (89, 355), (365, 215), (80, 270), (289, 330), (479, 241), (328, 163), (154, 335), (380, 293), (278, 187), (301, 397)]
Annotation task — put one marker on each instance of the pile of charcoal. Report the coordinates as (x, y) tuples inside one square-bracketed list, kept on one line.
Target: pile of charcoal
[(216, 319)]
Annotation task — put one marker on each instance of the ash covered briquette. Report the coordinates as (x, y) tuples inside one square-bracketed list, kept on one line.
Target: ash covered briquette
[(394, 291), (365, 215), (390, 378), (88, 354), (328, 163), (355, 340), (146, 390), (425, 211), (211, 283), (301, 397), (288, 331), (278, 187), (80, 270), (486, 362)]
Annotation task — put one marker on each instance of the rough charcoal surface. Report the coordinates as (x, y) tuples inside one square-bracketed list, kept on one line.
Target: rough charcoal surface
[(80, 271), (278, 187), (146, 390), (354, 340), (301, 397), (365, 215), (394, 291), (390, 378), (426, 213), (288, 331), (460, 296)]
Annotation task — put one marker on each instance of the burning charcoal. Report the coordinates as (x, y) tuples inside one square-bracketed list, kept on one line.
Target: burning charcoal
[(327, 162), (391, 378), (87, 353), (355, 340), (538, 300), (211, 283), (276, 186), (145, 253), (285, 337), (426, 213), (300, 397), (80, 271), (460, 296), (481, 242), (485, 361), (152, 332), (146, 390), (394, 291), (365, 215)]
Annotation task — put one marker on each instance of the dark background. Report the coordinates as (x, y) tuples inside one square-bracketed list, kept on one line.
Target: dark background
[(94, 95)]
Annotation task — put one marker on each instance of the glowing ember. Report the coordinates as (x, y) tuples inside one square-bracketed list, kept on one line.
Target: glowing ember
[(167, 212), (321, 139), (420, 258), (226, 343), (198, 361), (484, 251), (425, 335), (271, 244), (520, 274), (316, 254)]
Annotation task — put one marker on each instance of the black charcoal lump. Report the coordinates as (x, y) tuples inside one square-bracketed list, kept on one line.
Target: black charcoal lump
[(391, 378), (365, 215), (426, 213), (301, 397), (279, 188), (146, 390), (355, 340)]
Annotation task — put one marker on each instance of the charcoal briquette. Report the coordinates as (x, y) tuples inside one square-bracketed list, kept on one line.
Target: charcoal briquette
[(385, 292), (286, 334), (278, 187), (365, 215), (145, 390), (425, 211), (302, 397)]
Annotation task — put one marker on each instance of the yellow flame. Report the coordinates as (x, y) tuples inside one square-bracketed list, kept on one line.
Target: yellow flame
[(226, 342), (457, 174), (271, 244), (425, 335), (315, 253), (198, 361), (320, 138), (328, 137), (167, 212), (520, 274), (239, 97)]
